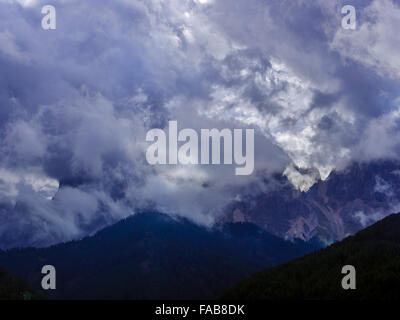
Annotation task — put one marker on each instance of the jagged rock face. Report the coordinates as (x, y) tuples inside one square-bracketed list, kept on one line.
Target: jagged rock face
[(332, 209)]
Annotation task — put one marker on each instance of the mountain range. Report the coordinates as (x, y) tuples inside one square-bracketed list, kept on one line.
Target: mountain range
[(332, 209), (151, 255), (154, 256)]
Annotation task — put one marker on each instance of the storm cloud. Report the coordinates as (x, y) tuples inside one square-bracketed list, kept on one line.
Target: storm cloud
[(76, 103)]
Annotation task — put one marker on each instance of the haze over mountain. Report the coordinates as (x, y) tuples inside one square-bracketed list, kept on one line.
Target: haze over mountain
[(346, 202)]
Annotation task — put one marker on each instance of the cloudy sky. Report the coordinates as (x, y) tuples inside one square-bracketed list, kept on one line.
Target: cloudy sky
[(76, 102)]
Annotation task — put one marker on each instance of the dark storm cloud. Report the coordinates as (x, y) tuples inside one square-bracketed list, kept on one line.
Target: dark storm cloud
[(76, 103), (339, 82)]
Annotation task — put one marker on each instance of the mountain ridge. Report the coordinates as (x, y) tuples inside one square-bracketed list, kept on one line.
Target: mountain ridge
[(374, 252), (347, 201), (153, 256)]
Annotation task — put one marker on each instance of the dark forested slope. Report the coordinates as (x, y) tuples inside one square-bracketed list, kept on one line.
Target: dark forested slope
[(374, 252), (153, 256)]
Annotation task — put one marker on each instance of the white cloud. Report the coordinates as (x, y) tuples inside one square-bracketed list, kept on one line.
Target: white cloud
[(375, 43)]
